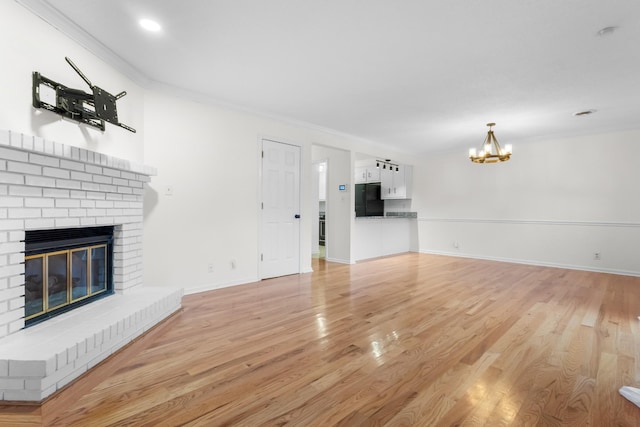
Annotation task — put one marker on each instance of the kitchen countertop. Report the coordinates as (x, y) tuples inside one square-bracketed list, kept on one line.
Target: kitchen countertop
[(402, 214), (392, 215)]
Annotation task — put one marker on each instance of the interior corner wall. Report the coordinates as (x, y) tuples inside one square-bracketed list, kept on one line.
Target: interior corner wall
[(557, 202), (340, 205), (29, 44)]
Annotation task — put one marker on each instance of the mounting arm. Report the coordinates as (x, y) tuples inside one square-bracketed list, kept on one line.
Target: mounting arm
[(90, 108)]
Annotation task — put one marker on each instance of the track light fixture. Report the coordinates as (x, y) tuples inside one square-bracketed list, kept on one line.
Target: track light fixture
[(386, 163)]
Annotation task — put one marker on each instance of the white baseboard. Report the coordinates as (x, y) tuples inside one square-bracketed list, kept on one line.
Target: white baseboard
[(340, 261), (535, 262), (214, 286)]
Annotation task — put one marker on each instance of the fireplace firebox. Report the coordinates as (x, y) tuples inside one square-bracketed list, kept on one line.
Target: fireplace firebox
[(66, 268)]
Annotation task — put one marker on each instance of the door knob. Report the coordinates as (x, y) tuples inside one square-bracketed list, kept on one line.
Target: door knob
[(297, 216)]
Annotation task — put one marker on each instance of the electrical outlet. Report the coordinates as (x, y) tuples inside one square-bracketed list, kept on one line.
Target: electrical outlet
[(233, 264), (455, 245), (596, 256), (210, 268)]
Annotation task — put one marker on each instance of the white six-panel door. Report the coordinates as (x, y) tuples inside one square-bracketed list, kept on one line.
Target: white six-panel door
[(280, 209)]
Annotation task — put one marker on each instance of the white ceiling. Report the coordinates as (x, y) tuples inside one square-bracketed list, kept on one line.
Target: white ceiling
[(418, 75)]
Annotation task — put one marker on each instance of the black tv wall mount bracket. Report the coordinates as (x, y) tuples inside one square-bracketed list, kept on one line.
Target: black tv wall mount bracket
[(90, 108)]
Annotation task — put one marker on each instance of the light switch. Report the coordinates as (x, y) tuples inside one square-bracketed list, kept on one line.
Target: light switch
[(168, 190)]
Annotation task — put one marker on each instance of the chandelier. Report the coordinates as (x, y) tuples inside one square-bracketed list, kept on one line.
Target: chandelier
[(490, 152)]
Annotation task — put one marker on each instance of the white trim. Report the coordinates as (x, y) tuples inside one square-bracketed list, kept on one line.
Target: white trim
[(206, 99), (60, 22), (534, 222), (340, 261), (259, 207), (214, 286), (536, 263)]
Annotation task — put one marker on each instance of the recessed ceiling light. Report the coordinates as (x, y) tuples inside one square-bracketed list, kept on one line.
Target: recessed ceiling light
[(150, 25), (584, 113), (607, 31)]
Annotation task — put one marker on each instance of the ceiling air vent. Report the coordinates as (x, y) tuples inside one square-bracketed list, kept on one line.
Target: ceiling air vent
[(584, 113)]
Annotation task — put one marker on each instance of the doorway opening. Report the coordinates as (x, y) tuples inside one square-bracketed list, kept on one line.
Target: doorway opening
[(322, 209), (319, 249)]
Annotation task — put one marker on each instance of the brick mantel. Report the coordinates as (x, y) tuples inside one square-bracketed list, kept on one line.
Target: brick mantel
[(46, 185)]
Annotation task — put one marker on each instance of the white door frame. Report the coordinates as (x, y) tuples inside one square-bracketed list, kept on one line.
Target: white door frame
[(315, 209)]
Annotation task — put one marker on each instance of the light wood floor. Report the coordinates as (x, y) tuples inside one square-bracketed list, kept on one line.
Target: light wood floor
[(414, 340)]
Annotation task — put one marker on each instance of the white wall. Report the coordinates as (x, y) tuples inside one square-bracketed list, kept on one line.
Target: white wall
[(29, 44), (210, 157), (211, 163), (556, 202)]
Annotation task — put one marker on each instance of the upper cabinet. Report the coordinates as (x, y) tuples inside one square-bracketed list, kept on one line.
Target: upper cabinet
[(393, 184), (396, 184), (365, 174)]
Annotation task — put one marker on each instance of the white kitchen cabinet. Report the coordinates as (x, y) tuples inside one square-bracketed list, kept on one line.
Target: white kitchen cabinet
[(396, 184), (365, 174)]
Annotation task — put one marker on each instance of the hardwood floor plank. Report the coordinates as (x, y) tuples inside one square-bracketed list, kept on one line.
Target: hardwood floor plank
[(606, 408), (580, 404), (441, 395), (407, 340)]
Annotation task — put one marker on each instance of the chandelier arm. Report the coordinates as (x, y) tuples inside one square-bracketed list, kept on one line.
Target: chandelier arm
[(485, 142), (497, 144)]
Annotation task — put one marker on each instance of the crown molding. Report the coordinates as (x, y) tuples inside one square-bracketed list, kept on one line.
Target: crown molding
[(205, 99), (52, 16)]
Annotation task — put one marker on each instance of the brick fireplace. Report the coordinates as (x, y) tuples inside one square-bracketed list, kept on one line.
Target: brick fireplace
[(47, 185)]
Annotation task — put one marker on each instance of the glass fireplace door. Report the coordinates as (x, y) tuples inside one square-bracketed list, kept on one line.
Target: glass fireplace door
[(55, 280)]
